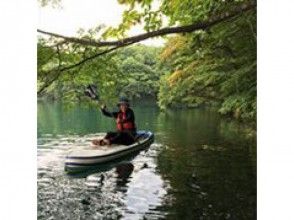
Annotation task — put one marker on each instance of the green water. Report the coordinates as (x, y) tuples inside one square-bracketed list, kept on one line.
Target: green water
[(201, 166)]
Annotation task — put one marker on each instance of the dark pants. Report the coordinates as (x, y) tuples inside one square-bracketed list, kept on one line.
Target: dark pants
[(124, 138)]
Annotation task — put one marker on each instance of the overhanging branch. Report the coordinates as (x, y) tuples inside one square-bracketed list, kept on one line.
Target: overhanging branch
[(131, 40), (161, 32), (59, 70)]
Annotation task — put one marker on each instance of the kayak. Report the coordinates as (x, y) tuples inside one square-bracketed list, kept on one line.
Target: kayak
[(83, 159)]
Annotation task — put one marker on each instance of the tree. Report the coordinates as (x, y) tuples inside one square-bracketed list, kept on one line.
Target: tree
[(215, 67), (211, 60)]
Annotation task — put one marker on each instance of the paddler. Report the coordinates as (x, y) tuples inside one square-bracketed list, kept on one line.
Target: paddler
[(125, 125)]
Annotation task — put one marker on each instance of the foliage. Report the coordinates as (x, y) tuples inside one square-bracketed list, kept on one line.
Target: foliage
[(70, 85), (131, 72), (140, 66), (52, 3), (215, 66)]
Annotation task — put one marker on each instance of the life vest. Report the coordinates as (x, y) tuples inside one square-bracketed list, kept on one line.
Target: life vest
[(127, 125)]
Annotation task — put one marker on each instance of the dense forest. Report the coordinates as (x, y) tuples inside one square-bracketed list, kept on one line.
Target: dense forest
[(209, 58), (132, 71)]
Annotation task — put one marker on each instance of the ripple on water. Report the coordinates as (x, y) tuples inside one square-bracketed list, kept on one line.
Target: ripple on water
[(120, 192)]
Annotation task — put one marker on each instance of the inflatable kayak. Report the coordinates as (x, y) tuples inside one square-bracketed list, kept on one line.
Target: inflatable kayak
[(82, 159)]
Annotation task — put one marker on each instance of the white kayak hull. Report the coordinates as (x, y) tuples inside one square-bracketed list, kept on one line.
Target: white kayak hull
[(83, 159)]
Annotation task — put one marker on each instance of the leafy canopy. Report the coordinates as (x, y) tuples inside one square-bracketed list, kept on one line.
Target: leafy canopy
[(215, 66)]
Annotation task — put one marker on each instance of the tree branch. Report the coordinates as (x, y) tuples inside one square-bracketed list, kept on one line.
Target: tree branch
[(161, 32), (131, 40), (59, 70)]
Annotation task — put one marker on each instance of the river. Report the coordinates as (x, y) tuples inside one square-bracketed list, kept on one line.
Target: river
[(201, 166)]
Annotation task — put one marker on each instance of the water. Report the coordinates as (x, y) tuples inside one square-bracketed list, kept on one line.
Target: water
[(201, 166)]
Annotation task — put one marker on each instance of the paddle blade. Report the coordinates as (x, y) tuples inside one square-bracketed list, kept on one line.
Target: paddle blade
[(91, 91)]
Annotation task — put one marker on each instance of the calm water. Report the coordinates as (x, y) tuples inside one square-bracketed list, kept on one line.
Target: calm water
[(201, 166)]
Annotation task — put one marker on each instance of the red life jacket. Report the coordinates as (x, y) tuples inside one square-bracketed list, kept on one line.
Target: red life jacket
[(127, 125)]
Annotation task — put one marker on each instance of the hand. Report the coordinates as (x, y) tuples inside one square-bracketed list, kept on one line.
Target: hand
[(103, 106)]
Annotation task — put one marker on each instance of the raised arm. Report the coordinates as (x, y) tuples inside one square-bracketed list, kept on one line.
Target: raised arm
[(107, 113)]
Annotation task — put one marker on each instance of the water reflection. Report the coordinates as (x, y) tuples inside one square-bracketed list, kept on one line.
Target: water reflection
[(201, 166), (144, 194), (210, 165), (110, 193), (123, 172)]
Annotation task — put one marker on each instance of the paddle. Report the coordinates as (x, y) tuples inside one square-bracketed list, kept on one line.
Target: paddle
[(91, 92)]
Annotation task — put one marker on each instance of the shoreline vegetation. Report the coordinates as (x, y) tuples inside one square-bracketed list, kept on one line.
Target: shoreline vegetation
[(246, 128), (212, 67)]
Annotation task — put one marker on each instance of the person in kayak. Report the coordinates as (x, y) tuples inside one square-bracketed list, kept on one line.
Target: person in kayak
[(125, 125)]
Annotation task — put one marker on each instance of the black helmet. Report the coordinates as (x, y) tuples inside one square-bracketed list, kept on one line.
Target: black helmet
[(123, 100)]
